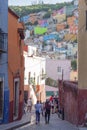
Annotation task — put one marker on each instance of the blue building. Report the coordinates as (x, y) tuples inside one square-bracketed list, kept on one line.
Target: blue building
[(4, 88)]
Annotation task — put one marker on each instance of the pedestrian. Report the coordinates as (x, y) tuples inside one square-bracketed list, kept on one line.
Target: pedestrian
[(43, 109), (29, 105), (38, 111), (47, 111), (52, 106), (25, 107)]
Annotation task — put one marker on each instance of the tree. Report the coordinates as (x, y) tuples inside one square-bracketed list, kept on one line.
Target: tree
[(47, 15), (74, 65)]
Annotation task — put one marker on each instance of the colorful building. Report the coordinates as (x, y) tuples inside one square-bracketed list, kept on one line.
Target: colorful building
[(73, 95), (70, 37), (60, 26), (71, 20), (74, 29), (12, 66)]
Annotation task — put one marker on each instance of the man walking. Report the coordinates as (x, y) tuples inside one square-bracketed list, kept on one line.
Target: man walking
[(47, 111), (38, 111)]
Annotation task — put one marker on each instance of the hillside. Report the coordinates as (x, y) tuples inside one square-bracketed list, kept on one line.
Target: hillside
[(24, 10)]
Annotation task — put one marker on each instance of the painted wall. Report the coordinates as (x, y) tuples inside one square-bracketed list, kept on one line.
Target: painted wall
[(52, 69), (34, 65), (82, 106), (82, 46), (82, 62), (71, 102), (15, 61), (4, 60), (75, 95)]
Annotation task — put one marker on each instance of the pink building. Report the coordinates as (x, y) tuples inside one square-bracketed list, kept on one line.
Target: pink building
[(58, 69)]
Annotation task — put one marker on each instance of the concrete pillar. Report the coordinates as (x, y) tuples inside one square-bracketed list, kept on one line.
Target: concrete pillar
[(82, 62)]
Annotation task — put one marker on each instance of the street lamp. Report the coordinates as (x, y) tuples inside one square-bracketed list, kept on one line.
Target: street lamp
[(3, 40)]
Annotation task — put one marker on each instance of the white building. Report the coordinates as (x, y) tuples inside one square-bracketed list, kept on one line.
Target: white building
[(35, 76)]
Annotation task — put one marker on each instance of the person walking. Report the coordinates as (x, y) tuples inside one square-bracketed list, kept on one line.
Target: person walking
[(38, 111), (29, 105), (47, 111)]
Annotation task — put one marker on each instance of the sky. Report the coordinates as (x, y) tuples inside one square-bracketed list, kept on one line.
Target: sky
[(29, 2)]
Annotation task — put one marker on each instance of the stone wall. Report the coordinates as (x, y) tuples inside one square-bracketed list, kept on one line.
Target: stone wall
[(70, 102), (74, 102)]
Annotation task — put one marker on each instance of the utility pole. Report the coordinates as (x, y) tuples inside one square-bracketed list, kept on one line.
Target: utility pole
[(62, 74)]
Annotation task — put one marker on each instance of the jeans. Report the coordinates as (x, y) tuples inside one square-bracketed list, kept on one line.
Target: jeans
[(47, 116), (37, 116)]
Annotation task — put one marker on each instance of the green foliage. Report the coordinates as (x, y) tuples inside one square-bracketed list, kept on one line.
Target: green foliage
[(47, 15), (74, 65), (36, 23), (67, 26), (28, 23), (75, 40), (25, 10), (51, 82)]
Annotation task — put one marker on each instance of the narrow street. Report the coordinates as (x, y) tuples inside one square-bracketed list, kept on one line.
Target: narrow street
[(55, 124)]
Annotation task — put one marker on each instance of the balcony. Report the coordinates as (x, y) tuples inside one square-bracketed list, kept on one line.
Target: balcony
[(43, 76)]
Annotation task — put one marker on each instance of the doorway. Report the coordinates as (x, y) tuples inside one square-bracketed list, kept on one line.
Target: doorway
[(16, 98)]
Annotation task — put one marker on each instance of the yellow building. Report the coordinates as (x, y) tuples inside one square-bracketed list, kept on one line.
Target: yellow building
[(70, 37), (82, 45), (73, 75), (60, 17)]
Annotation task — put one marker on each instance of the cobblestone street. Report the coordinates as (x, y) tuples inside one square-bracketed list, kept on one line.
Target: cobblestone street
[(55, 124)]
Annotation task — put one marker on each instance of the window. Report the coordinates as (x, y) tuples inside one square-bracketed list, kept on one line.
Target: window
[(3, 41), (58, 69)]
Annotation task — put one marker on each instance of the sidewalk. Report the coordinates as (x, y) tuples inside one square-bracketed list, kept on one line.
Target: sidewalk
[(25, 120), (83, 128)]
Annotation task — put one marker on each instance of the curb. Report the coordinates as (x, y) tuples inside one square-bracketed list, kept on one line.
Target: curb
[(19, 125)]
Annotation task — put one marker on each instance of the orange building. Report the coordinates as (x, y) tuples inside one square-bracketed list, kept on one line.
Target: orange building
[(60, 27), (71, 20), (74, 29), (15, 66)]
